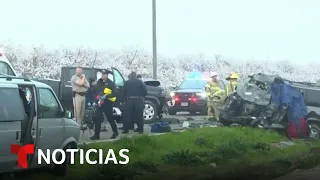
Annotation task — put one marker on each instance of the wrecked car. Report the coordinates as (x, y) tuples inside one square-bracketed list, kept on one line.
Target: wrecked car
[(253, 104)]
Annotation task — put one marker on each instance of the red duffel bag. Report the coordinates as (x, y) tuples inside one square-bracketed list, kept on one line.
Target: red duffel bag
[(292, 130)]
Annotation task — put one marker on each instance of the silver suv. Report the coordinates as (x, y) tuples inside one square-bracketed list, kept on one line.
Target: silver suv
[(30, 113), (311, 93)]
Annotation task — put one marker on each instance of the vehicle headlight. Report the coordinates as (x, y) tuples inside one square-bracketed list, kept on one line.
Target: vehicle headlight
[(172, 94), (202, 94)]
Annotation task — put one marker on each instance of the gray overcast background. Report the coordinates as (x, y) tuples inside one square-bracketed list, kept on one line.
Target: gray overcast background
[(241, 29)]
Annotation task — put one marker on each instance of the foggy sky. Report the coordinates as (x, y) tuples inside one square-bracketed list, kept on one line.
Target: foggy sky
[(246, 29)]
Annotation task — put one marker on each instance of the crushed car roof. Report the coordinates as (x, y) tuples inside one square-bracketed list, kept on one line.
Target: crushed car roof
[(265, 78)]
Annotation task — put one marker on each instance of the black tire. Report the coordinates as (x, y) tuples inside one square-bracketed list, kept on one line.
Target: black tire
[(172, 112), (314, 128), (61, 169), (155, 112)]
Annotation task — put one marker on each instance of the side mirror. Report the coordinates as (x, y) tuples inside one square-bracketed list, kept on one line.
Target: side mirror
[(68, 114)]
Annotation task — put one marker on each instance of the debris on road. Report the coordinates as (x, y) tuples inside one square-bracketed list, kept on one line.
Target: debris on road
[(187, 124)]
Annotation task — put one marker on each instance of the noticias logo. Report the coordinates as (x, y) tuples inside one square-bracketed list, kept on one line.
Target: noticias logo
[(59, 156)]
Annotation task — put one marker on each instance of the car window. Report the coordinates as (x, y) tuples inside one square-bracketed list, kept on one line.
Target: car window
[(193, 84), (49, 107), (312, 97), (98, 75), (118, 78), (6, 69), (28, 94), (11, 106)]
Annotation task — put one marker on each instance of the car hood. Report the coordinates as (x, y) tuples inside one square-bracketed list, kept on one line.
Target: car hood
[(188, 90), (151, 82)]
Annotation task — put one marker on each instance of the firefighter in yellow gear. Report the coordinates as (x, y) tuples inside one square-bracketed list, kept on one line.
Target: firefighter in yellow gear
[(232, 83), (214, 94)]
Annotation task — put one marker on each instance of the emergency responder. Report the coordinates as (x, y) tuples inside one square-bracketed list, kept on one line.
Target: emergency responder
[(131, 127), (140, 78), (106, 90), (134, 94), (214, 93), (232, 83), (80, 86)]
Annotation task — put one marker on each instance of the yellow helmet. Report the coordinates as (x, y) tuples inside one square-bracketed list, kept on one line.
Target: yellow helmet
[(232, 76), (107, 91)]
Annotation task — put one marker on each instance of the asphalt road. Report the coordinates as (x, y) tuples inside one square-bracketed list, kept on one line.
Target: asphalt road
[(105, 136)]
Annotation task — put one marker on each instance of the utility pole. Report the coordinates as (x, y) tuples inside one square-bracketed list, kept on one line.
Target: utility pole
[(154, 39)]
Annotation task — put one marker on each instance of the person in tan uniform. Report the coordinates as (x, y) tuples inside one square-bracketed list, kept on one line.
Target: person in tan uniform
[(80, 86), (214, 93)]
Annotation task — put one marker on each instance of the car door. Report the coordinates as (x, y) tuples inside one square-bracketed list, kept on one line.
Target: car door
[(51, 122), (312, 99), (119, 82), (12, 116)]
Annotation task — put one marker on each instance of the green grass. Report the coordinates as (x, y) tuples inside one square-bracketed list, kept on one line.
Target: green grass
[(235, 151)]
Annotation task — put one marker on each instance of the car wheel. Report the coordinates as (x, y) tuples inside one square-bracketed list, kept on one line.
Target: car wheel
[(150, 111), (61, 169), (172, 112), (314, 131)]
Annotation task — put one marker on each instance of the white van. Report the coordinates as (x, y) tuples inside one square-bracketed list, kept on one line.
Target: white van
[(5, 66), (41, 121), (30, 113)]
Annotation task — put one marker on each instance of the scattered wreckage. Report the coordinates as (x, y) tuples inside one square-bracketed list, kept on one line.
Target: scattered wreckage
[(256, 103)]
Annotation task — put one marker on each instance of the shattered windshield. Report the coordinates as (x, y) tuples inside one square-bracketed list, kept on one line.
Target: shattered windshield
[(254, 91)]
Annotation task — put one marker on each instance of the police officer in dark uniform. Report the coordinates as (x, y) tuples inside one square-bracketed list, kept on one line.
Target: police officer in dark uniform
[(107, 105), (134, 94)]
